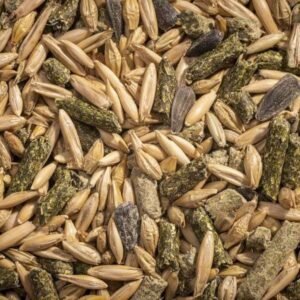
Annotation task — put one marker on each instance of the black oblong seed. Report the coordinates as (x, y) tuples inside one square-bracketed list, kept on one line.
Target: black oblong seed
[(127, 221), (165, 13), (182, 103), (278, 98), (206, 42), (114, 9)]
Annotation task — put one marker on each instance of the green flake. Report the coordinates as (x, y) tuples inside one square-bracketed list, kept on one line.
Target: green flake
[(194, 24), (274, 155), (42, 285), (34, 157), (269, 263), (223, 56), (9, 279), (56, 72), (54, 201), (165, 90), (151, 288), (258, 240), (55, 267), (184, 179), (168, 246), (201, 223), (291, 167), (90, 115), (237, 77), (271, 60)]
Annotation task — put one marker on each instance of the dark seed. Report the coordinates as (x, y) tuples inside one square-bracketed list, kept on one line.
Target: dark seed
[(114, 8), (165, 13), (206, 42), (183, 101), (278, 98)]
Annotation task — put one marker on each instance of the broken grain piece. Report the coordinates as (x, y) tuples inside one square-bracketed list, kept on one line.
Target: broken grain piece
[(145, 189), (274, 156), (270, 262), (222, 57), (168, 246), (184, 179)]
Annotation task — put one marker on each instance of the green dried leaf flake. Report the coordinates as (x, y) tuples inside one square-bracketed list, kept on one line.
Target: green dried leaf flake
[(9, 279), (54, 201), (34, 158), (271, 60), (56, 72), (168, 246), (183, 180), (55, 267), (151, 288), (291, 167), (42, 285), (201, 223), (259, 239), (194, 24), (270, 262), (221, 57), (90, 115), (194, 133), (274, 156), (165, 90)]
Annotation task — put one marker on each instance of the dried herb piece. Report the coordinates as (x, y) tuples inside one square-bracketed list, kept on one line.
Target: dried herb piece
[(187, 263), (23, 134), (11, 5), (246, 192), (271, 60), (168, 246), (220, 58), (259, 239), (81, 268), (90, 115), (145, 189), (194, 24), (201, 223), (55, 267), (151, 288), (63, 16), (42, 285), (270, 262), (247, 30), (165, 13), (87, 135), (34, 157), (205, 42), (56, 72), (103, 19), (210, 291), (242, 103), (165, 90), (183, 101), (57, 197), (278, 98), (194, 133), (184, 179), (236, 159), (291, 167), (127, 221), (274, 155), (114, 9), (9, 279), (223, 207), (237, 77)]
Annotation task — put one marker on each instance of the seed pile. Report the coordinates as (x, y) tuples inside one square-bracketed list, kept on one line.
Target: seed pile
[(149, 149)]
